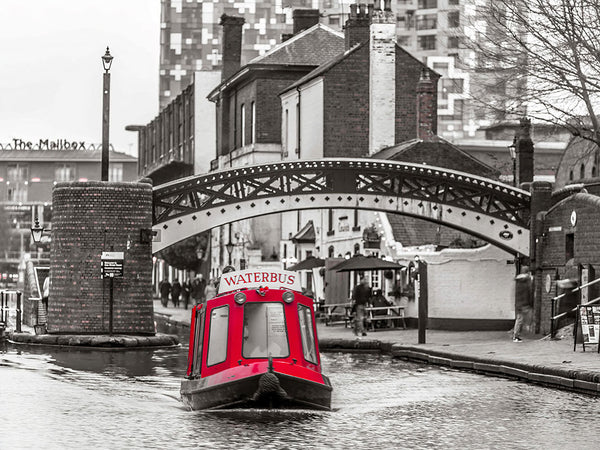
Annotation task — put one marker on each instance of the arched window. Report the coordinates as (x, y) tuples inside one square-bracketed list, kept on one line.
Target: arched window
[(330, 251), (582, 171), (356, 248)]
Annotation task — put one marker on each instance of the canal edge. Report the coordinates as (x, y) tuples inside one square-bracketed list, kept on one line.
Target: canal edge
[(555, 377)]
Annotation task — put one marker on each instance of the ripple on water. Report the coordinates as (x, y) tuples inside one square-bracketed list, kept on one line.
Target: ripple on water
[(130, 400)]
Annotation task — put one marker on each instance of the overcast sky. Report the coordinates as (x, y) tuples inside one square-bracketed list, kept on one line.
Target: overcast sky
[(51, 72)]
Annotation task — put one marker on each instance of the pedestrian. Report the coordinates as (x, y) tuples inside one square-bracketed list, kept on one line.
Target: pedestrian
[(523, 301), (175, 292), (361, 296), (211, 289), (198, 286), (165, 290), (185, 293)]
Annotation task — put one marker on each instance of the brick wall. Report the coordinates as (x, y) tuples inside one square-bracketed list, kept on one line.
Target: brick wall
[(346, 107), (89, 218), (552, 258)]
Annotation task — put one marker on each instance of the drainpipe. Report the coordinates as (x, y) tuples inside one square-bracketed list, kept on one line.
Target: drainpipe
[(298, 135)]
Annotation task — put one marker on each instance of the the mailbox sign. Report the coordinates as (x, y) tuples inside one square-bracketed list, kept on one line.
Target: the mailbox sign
[(111, 264)]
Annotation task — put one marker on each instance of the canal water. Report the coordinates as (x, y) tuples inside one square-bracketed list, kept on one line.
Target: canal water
[(69, 399)]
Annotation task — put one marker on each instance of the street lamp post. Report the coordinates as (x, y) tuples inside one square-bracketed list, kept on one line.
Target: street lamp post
[(106, 63), (513, 155), (229, 247)]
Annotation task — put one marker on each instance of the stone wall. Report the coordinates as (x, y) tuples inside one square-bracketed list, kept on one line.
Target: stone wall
[(89, 218)]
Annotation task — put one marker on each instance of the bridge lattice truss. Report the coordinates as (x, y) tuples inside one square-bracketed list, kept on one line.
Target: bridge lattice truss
[(484, 207)]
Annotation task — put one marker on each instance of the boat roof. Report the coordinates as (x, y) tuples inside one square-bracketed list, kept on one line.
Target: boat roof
[(256, 278)]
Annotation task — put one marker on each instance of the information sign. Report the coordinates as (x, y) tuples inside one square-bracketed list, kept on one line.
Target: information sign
[(588, 318), (111, 264)]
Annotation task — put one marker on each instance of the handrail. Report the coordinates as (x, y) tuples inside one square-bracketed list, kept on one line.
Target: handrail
[(553, 301)]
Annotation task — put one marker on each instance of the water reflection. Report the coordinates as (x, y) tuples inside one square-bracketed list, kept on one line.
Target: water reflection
[(80, 399)]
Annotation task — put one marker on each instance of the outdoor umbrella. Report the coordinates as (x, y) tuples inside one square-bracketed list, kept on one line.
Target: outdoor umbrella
[(309, 263), (361, 262)]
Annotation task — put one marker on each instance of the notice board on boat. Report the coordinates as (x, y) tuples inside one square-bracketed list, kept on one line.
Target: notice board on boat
[(588, 324)]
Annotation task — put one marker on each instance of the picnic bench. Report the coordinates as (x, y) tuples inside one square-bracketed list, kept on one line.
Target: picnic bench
[(337, 314), (393, 313)]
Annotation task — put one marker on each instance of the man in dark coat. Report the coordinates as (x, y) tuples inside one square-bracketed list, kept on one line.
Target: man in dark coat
[(165, 290), (361, 296), (175, 292), (523, 300)]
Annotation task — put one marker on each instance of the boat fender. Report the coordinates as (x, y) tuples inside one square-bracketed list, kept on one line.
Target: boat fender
[(268, 383)]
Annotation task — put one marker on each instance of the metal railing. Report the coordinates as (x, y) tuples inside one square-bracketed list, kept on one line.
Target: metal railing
[(555, 317)]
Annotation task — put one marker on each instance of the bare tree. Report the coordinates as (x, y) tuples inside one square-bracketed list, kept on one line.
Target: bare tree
[(540, 58)]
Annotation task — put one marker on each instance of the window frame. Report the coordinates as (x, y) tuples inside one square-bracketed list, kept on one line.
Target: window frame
[(210, 343), (287, 336), (310, 328)]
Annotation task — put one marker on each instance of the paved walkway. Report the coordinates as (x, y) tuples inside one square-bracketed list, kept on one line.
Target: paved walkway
[(551, 362)]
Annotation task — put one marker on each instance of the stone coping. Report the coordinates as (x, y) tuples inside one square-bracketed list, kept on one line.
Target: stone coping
[(93, 341), (557, 377)]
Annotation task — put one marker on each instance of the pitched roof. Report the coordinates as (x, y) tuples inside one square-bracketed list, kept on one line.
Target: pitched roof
[(306, 235), (311, 47), (437, 151)]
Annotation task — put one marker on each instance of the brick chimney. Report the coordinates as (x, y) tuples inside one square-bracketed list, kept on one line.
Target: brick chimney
[(426, 106), (356, 29), (304, 19), (232, 44), (382, 78), (524, 152)]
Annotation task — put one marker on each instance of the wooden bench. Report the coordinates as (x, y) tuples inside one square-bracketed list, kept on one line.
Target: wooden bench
[(337, 314), (393, 314)]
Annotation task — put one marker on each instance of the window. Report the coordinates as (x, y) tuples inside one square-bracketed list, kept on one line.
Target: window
[(357, 249), (427, 4), (17, 172), (571, 175), (17, 176), (115, 172), (594, 172), (330, 251), (582, 171), (453, 2), (569, 246), (453, 42), (243, 124), (334, 21), (375, 279), (217, 339), (426, 42), (330, 222), (198, 338), (265, 331), (427, 22), (453, 19), (309, 347), (286, 127), (252, 122), (64, 172)]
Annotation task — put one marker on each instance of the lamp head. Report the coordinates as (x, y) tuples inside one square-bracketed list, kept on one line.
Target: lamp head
[(107, 60), (36, 232)]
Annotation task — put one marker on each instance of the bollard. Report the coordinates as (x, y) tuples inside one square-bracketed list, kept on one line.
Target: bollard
[(19, 311)]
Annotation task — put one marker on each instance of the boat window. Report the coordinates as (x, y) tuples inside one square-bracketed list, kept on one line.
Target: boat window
[(307, 332), (199, 336), (217, 338), (265, 332)]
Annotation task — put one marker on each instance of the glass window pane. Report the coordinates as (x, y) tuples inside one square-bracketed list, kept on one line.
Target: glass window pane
[(198, 342), (308, 337), (265, 331), (217, 340)]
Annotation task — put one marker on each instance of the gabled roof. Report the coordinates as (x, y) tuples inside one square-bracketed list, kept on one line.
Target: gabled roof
[(306, 235), (433, 150), (303, 51), (311, 47), (325, 67)]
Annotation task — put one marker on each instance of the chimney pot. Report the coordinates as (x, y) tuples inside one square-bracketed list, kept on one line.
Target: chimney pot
[(387, 5), (353, 11), (363, 9), (370, 8), (377, 5)]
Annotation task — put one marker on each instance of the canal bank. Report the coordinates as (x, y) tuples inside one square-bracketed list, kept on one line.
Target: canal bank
[(550, 363)]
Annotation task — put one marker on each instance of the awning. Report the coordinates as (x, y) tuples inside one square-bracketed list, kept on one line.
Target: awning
[(361, 262), (309, 263), (306, 235)]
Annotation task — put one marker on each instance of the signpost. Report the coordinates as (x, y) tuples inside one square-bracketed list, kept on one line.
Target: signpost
[(111, 265)]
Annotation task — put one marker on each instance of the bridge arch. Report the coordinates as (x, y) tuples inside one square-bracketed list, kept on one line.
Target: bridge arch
[(491, 210)]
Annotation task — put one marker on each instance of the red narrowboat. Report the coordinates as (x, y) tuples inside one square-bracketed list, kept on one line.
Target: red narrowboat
[(255, 346)]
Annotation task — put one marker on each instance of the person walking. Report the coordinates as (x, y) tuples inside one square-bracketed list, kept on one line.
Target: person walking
[(361, 296), (185, 293), (165, 290), (523, 301), (175, 292), (198, 286), (211, 289)]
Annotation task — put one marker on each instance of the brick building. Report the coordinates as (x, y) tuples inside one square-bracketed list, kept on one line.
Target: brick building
[(28, 172)]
